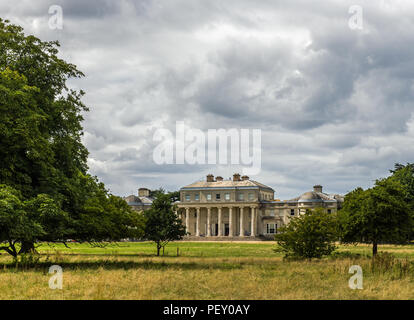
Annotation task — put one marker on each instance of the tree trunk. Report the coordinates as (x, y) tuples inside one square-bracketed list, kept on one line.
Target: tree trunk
[(158, 250), (374, 249), (27, 247)]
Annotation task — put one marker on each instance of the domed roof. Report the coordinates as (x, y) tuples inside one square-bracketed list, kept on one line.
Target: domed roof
[(310, 196)]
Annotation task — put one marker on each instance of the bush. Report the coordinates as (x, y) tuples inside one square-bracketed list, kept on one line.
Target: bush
[(311, 235)]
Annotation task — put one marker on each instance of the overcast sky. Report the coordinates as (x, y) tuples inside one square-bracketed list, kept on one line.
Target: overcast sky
[(335, 104)]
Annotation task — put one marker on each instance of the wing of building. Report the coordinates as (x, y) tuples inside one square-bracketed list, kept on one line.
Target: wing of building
[(241, 207), (141, 202)]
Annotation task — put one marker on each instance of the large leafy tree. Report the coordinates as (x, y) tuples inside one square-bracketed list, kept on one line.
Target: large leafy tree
[(43, 163), (311, 235), (40, 117), (376, 215), (162, 223)]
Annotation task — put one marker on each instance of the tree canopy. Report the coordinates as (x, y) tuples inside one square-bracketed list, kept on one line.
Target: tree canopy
[(45, 187), (311, 235), (162, 223), (376, 215)]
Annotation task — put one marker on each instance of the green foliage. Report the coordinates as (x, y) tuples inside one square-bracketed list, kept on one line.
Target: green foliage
[(311, 235), (376, 215), (18, 224), (46, 193), (405, 176), (174, 195), (40, 118), (162, 223)]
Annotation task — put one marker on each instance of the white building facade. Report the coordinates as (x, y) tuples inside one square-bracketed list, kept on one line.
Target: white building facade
[(240, 208)]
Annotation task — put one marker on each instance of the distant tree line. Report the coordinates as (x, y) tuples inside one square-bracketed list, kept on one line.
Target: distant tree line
[(381, 214)]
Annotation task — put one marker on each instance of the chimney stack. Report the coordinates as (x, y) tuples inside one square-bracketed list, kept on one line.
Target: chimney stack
[(218, 178), (210, 178), (143, 192), (244, 178), (236, 177), (317, 188)]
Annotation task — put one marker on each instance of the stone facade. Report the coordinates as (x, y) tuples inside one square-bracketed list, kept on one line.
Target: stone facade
[(243, 208), (141, 202)]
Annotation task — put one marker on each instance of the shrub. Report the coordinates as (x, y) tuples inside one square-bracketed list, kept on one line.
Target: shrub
[(311, 235)]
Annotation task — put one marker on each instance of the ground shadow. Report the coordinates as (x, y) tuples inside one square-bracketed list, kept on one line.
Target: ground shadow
[(122, 265)]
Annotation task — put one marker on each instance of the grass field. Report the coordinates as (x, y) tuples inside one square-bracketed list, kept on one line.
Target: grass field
[(203, 270)]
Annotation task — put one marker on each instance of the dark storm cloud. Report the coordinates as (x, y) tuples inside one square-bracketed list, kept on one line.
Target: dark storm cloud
[(334, 104)]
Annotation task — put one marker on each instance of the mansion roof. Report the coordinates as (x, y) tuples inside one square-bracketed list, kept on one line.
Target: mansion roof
[(133, 200), (314, 196), (229, 184)]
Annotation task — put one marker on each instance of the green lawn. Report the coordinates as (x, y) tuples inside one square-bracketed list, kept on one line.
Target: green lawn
[(207, 249)]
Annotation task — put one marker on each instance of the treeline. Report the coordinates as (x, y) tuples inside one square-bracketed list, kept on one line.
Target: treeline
[(381, 214)]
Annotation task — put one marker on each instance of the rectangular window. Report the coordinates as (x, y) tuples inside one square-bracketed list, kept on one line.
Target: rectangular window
[(251, 196), (217, 196), (329, 211), (209, 197), (227, 196), (272, 212), (271, 228), (241, 196), (292, 212), (197, 197), (187, 197)]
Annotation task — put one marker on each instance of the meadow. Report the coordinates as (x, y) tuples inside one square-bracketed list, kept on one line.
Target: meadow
[(206, 270)]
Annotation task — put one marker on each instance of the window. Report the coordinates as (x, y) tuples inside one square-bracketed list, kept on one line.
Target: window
[(241, 196), (329, 211), (292, 212), (271, 228), (217, 196), (272, 212), (251, 196), (187, 197), (197, 197), (209, 196), (227, 196)]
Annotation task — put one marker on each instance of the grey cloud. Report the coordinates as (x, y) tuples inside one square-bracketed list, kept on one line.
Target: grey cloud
[(334, 105)]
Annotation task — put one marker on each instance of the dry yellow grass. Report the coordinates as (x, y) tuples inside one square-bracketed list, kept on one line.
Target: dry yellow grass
[(133, 277)]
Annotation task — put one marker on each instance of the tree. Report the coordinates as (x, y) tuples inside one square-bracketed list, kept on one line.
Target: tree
[(43, 167), (21, 222), (155, 193), (376, 215), (40, 117), (311, 235), (174, 195), (162, 223)]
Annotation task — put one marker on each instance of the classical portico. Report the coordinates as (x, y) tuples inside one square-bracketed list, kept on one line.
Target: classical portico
[(230, 220)]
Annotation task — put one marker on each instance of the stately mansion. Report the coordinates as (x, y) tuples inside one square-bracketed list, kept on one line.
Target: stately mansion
[(239, 208)]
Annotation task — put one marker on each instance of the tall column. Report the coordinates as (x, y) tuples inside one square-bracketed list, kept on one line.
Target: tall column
[(208, 222), (187, 219), (253, 231), (231, 233), (241, 222), (198, 223), (220, 231)]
